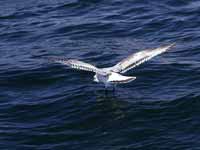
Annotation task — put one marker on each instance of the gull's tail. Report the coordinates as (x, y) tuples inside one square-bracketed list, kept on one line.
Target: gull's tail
[(118, 78)]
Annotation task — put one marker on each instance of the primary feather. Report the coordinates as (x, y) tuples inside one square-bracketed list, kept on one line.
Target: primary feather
[(76, 64), (138, 58)]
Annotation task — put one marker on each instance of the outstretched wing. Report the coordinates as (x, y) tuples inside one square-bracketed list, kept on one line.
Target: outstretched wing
[(139, 58), (76, 64)]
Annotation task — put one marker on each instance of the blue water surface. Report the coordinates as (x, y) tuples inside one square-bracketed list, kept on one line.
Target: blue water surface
[(47, 106)]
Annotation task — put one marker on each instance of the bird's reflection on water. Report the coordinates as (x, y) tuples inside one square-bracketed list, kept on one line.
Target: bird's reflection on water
[(111, 103)]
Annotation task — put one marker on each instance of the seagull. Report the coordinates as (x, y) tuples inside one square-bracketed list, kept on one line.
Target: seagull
[(113, 75)]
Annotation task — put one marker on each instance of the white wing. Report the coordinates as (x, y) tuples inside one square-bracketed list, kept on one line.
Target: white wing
[(76, 64), (138, 58)]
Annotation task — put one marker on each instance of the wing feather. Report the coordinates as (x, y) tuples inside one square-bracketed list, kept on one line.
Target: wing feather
[(138, 58), (76, 64)]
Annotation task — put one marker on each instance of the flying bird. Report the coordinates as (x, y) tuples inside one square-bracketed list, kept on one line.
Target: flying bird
[(113, 75)]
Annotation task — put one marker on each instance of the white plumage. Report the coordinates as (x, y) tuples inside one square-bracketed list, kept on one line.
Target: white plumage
[(112, 75)]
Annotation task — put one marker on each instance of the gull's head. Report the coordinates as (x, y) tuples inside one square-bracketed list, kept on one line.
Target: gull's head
[(95, 78)]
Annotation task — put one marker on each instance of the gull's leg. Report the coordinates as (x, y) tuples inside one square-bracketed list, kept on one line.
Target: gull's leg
[(106, 89), (114, 88)]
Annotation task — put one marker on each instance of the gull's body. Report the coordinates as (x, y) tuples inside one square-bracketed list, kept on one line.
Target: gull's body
[(112, 75)]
